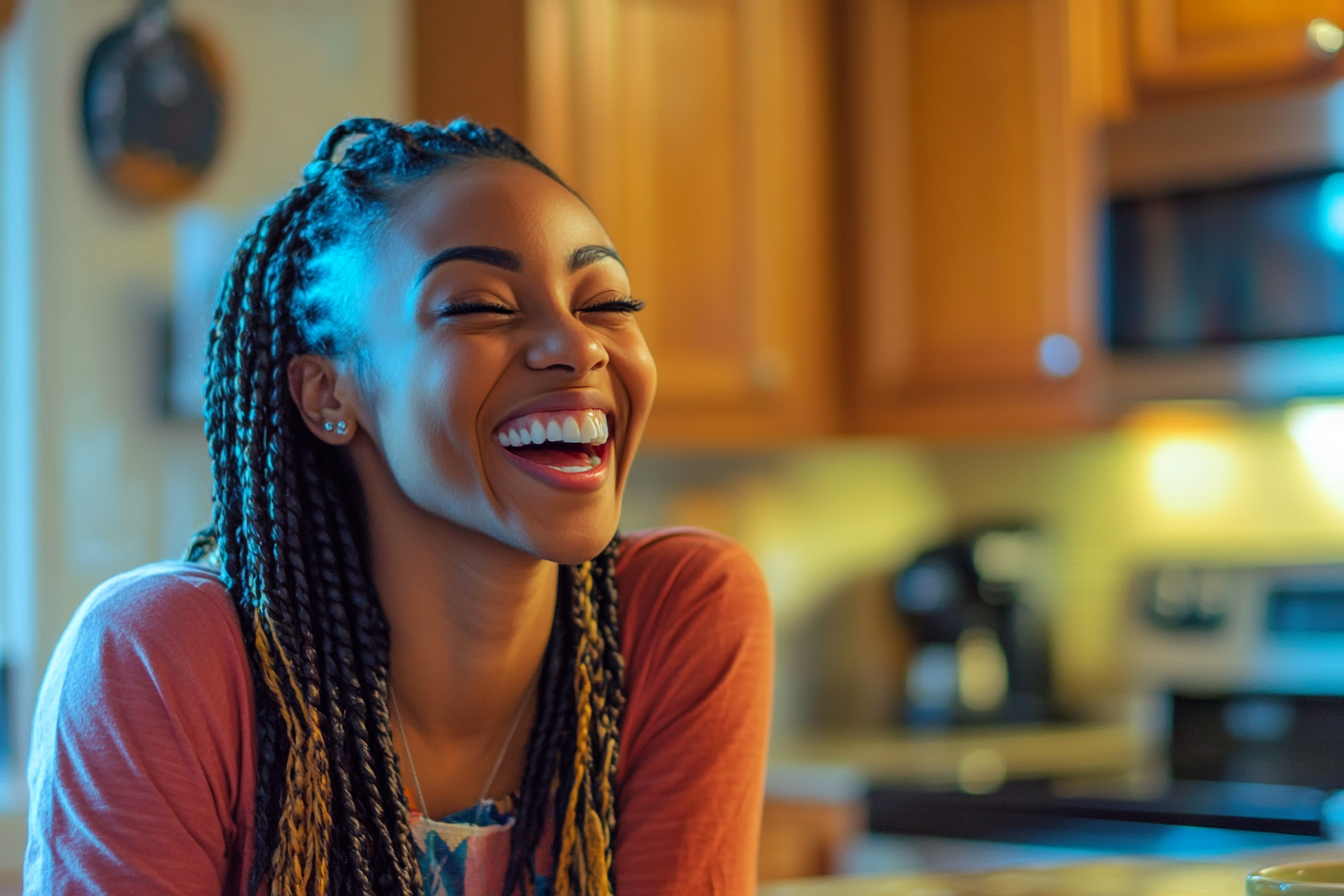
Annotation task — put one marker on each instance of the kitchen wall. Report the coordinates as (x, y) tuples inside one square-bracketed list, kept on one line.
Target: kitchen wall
[(96, 479)]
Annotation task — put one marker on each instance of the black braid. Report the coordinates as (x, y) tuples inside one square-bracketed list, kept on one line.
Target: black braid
[(289, 537)]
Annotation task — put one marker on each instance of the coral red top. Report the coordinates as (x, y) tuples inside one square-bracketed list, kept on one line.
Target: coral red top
[(142, 769)]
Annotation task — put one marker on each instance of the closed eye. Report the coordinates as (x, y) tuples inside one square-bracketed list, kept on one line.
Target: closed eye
[(474, 307), (623, 305)]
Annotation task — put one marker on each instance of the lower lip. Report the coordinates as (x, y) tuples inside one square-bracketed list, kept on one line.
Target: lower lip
[(586, 481)]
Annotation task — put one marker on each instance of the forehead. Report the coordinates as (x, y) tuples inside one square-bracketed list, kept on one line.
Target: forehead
[(492, 202)]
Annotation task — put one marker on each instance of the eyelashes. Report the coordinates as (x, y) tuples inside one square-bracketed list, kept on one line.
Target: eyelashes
[(624, 304), (621, 305), (453, 309)]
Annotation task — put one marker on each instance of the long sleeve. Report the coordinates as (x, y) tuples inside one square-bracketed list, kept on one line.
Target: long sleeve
[(141, 768), (698, 641)]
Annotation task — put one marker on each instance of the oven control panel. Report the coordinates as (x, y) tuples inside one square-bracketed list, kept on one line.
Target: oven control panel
[(1274, 629)]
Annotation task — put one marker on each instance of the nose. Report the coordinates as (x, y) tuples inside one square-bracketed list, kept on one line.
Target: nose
[(563, 343)]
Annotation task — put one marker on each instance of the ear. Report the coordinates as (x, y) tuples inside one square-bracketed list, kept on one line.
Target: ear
[(323, 397)]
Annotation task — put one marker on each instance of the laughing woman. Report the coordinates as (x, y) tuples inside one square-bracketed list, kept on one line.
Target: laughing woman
[(410, 655)]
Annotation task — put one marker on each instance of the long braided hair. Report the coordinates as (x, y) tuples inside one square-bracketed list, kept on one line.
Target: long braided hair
[(289, 537)]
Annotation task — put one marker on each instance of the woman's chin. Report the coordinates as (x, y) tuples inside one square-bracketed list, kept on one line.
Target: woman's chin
[(572, 547)]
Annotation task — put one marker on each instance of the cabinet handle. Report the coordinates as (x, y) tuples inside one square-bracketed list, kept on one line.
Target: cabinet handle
[(1325, 36), (1059, 356)]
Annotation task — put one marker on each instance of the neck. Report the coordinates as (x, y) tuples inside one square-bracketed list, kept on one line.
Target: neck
[(469, 616)]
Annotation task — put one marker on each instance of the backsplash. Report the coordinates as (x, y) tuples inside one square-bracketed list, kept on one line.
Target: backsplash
[(1203, 484)]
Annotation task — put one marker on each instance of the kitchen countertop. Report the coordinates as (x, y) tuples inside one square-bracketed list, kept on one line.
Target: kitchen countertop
[(973, 756), (1119, 877)]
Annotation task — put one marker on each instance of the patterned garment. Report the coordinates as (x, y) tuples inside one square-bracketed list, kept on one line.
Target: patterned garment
[(464, 854)]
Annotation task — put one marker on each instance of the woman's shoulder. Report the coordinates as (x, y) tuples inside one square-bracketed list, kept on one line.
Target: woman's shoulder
[(170, 599), (144, 717), (681, 547), (694, 575), (147, 616), (697, 639)]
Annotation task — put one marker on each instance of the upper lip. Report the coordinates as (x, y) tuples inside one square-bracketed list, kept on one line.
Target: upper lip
[(568, 400)]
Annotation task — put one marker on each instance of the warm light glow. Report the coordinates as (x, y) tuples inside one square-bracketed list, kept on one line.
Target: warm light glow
[(981, 770), (1318, 430), (1191, 475)]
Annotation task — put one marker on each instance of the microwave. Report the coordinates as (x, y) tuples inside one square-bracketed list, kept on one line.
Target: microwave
[(1223, 255)]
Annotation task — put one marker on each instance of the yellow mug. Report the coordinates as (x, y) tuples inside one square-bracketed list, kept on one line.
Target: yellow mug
[(1298, 879)]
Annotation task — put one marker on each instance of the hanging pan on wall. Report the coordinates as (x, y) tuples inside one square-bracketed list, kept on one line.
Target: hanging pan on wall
[(153, 106)]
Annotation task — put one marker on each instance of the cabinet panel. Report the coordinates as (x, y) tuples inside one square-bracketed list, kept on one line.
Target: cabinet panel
[(695, 129), (452, 42), (975, 199), (1186, 46), (977, 193)]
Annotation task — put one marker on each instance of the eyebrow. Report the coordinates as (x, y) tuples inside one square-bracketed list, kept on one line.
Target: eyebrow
[(511, 261), (491, 255), (586, 255)]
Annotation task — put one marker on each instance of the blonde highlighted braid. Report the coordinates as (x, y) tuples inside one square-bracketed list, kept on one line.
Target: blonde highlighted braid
[(288, 535)]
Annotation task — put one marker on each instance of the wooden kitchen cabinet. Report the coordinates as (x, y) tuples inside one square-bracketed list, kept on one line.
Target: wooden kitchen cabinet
[(698, 130), (947, 294), (972, 202), (1201, 46)]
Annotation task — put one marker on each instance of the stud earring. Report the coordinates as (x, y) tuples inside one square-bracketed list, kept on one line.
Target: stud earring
[(340, 428), (327, 426)]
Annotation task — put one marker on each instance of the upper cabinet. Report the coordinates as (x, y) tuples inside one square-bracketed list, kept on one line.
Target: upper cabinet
[(698, 130), (972, 209), (1182, 47)]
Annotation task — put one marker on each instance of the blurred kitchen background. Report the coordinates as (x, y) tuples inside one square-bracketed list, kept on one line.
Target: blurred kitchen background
[(1008, 334)]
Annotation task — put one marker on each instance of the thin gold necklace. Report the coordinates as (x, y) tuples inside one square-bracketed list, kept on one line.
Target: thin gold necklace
[(499, 760)]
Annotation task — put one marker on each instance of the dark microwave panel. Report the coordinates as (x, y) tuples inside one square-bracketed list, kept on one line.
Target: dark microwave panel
[(1232, 265)]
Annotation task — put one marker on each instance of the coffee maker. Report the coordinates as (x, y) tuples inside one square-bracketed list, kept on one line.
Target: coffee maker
[(972, 609)]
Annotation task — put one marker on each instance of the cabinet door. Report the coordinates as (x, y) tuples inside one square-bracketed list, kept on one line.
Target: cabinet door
[(1183, 46), (972, 128), (697, 131)]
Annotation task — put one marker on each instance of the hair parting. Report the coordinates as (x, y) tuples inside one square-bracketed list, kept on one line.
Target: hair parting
[(287, 535)]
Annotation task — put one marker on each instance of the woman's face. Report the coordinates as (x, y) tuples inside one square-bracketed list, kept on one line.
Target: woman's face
[(507, 382)]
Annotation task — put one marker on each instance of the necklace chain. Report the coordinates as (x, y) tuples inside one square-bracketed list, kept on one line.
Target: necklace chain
[(499, 760)]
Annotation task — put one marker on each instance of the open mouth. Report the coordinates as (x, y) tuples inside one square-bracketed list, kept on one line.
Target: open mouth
[(564, 441)]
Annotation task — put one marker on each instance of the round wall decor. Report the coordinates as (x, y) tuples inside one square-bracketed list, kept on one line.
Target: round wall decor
[(153, 107)]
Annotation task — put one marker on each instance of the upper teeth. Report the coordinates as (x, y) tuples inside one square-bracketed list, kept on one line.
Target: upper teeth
[(588, 427)]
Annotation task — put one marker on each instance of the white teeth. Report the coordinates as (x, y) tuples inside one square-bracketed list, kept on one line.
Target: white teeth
[(588, 427)]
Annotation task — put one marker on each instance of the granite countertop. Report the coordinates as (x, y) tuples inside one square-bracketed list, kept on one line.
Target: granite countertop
[(1117, 877), (946, 757)]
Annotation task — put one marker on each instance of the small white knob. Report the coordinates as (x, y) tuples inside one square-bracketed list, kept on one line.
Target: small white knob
[(1325, 36), (1059, 356)]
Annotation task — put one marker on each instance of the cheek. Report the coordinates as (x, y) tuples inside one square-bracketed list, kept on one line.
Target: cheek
[(638, 375), (434, 440)]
